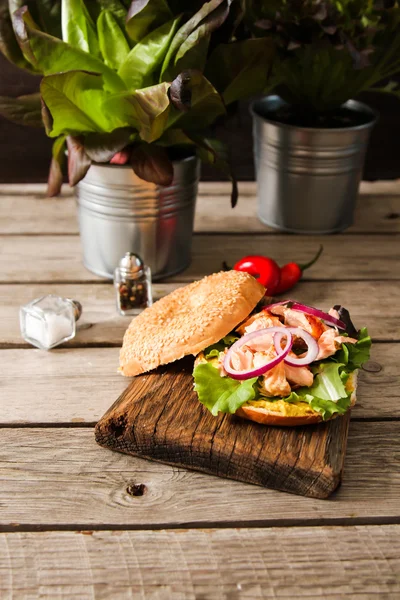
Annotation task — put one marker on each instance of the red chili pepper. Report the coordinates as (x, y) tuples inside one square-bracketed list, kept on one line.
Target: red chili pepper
[(264, 269), (292, 272)]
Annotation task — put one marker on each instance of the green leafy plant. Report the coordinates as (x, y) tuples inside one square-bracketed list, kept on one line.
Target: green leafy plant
[(328, 51), (127, 82)]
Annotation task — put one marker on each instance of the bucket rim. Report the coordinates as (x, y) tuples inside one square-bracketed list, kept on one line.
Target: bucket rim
[(355, 105)]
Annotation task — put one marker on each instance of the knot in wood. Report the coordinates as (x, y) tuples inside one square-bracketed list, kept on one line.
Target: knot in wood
[(136, 489), (372, 367)]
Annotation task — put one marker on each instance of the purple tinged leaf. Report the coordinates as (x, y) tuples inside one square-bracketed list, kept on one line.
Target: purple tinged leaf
[(23, 110), (101, 147), (46, 117), (152, 164), (20, 20), (78, 160), (55, 178), (180, 92)]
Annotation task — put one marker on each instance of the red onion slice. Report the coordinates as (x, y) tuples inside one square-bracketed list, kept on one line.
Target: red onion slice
[(312, 347), (249, 373), (310, 310)]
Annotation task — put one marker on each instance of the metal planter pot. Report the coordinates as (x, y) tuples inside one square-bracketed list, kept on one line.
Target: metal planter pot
[(308, 178), (118, 212)]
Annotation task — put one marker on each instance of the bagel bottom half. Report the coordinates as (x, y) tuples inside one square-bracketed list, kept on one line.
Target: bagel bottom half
[(268, 416)]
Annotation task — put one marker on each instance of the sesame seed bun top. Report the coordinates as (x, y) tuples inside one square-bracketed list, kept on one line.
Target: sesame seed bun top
[(188, 320)]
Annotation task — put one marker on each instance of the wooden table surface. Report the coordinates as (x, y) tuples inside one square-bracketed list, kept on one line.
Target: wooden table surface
[(73, 523)]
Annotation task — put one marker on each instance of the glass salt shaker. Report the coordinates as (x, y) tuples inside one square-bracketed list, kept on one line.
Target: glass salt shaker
[(49, 321), (132, 281)]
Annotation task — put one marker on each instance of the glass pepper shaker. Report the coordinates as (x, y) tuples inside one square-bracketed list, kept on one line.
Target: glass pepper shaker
[(49, 321), (132, 281)]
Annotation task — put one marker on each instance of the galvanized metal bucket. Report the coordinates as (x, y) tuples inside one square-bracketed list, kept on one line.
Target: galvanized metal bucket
[(308, 178), (118, 212)]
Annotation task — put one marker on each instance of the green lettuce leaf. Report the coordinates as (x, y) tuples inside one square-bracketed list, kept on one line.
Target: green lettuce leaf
[(211, 15), (353, 356), (326, 408), (328, 394), (328, 384), (221, 394), (146, 57), (220, 346), (113, 44), (75, 100), (146, 110), (146, 15), (78, 29), (50, 55)]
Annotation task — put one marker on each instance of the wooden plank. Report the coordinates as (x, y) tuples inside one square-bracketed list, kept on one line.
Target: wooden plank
[(302, 562), (59, 387), (58, 258), (78, 385), (371, 303), (52, 477), (159, 417), (25, 209)]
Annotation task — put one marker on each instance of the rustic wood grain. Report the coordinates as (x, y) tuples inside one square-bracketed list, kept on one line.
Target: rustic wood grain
[(370, 302), (302, 562), (78, 385), (159, 417), (26, 210), (55, 476), (58, 258)]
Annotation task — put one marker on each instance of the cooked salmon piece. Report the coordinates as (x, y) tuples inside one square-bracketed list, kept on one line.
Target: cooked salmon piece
[(330, 342), (242, 359), (301, 376), (261, 320), (274, 382), (296, 318)]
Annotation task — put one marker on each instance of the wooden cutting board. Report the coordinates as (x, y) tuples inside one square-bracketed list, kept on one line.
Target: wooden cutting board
[(159, 417)]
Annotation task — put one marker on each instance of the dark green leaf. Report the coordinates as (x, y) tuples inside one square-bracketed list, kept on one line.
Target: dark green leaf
[(51, 55), (192, 90), (210, 16), (101, 147), (240, 69), (78, 28), (75, 100), (221, 394), (146, 15), (117, 8), (24, 110), (355, 355), (113, 44), (152, 164), (144, 60), (146, 110), (55, 179), (78, 161), (46, 13)]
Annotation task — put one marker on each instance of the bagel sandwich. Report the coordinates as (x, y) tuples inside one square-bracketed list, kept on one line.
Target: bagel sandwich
[(283, 364)]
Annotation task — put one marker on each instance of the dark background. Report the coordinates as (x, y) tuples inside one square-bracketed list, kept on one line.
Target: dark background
[(25, 151)]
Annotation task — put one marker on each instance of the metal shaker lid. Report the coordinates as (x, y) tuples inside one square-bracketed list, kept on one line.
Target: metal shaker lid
[(131, 265), (77, 306)]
